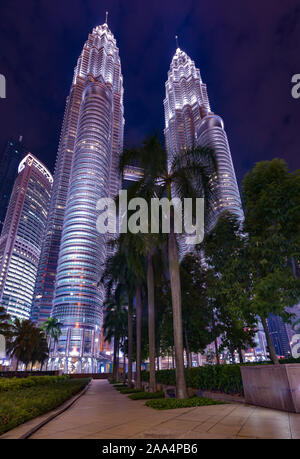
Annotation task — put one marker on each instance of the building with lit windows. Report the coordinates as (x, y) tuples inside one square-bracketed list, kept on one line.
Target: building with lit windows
[(97, 140), (22, 235), (189, 122), (13, 153)]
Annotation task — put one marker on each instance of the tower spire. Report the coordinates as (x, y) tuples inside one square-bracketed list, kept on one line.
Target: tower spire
[(106, 17), (176, 38)]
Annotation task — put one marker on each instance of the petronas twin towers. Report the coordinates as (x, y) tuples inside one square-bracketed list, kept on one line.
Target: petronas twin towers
[(73, 252)]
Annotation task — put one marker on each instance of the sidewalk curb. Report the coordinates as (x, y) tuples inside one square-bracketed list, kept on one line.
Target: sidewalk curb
[(53, 414)]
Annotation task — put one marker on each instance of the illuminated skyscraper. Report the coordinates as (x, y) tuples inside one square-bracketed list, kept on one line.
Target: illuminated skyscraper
[(92, 141), (98, 60), (189, 122), (13, 153), (22, 235)]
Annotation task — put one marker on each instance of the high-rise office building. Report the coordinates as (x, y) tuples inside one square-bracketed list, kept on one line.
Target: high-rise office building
[(13, 153), (190, 122), (91, 142), (22, 235), (279, 335), (98, 60)]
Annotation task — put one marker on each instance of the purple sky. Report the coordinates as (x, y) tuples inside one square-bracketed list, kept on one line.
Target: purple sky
[(247, 52)]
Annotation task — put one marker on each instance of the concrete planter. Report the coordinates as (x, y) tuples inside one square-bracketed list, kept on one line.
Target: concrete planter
[(273, 386)]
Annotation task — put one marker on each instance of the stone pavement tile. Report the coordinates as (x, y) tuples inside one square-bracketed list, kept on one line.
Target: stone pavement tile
[(157, 436), (104, 413), (58, 428), (101, 436), (212, 421), (205, 436), (56, 436), (172, 427), (241, 410), (270, 413), (204, 412), (235, 420), (224, 429), (265, 428), (197, 417), (295, 424), (129, 428), (241, 437)]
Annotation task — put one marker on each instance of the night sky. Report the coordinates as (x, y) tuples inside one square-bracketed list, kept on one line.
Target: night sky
[(247, 52)]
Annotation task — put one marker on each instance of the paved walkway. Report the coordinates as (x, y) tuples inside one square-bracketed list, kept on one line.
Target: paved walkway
[(102, 412)]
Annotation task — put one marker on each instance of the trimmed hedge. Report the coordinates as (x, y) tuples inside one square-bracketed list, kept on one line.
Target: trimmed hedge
[(7, 384), (129, 391), (224, 378), (121, 387), (18, 406), (173, 403), (146, 395)]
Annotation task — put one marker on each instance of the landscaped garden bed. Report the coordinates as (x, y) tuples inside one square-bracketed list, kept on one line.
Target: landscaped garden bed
[(173, 403), (25, 399), (223, 378), (226, 379), (146, 395)]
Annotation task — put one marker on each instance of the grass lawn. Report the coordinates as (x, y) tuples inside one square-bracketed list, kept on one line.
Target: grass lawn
[(20, 405), (146, 395), (173, 403)]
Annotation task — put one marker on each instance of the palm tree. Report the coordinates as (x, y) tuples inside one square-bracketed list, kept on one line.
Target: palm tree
[(22, 341), (5, 321), (114, 325), (118, 272), (132, 248), (40, 352), (52, 328), (189, 174)]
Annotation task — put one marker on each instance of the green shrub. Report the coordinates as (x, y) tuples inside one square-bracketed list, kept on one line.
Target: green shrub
[(224, 378), (173, 403), (146, 395), (120, 387), (18, 406), (31, 381), (128, 390)]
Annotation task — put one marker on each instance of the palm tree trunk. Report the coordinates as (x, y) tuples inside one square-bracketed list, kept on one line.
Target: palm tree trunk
[(124, 364), (240, 355), (294, 268), (187, 350), (181, 390), (115, 358), (215, 340), (130, 341), (138, 337), (217, 351), (270, 344), (151, 322)]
